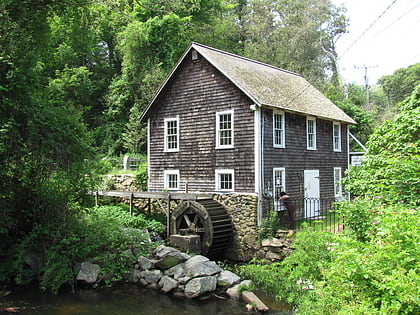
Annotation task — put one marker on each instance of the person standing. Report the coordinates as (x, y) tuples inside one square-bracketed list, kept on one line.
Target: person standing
[(291, 208)]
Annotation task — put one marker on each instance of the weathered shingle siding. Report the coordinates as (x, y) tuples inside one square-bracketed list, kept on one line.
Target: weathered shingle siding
[(295, 157), (195, 93)]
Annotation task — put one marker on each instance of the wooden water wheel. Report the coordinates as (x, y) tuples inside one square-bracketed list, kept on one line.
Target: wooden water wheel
[(206, 218)]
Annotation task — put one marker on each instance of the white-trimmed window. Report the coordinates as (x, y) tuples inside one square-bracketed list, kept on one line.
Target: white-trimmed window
[(224, 130), (338, 190), (311, 133), (278, 129), (337, 137), (172, 134), (279, 183), (171, 178), (225, 180)]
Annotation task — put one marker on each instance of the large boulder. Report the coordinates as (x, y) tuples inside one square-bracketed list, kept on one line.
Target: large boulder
[(200, 286), (88, 272), (227, 279), (199, 266), (145, 263), (168, 257), (151, 276), (167, 284)]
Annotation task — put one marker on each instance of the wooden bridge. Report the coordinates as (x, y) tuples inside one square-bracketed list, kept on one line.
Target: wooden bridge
[(168, 196)]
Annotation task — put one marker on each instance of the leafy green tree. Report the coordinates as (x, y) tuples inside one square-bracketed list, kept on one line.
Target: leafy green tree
[(399, 85), (296, 35), (44, 142), (390, 169)]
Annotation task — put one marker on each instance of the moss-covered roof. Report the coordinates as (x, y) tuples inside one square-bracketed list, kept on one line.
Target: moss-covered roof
[(269, 86)]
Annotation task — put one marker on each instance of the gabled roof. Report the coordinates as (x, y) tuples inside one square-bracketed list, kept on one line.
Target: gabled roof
[(266, 85)]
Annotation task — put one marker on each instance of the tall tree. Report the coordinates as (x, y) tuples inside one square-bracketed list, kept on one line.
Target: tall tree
[(295, 35), (400, 84), (43, 140)]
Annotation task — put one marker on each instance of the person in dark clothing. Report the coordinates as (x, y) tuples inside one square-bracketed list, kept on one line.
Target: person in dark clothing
[(291, 208)]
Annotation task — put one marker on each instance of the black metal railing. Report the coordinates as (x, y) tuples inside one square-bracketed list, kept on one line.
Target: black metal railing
[(317, 212)]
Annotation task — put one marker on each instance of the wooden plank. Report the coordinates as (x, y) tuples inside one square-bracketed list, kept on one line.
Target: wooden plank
[(151, 195)]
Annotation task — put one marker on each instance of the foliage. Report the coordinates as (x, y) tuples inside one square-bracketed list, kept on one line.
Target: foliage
[(376, 277), (352, 103), (101, 235), (304, 33), (142, 176), (292, 279), (340, 274), (401, 83), (269, 226), (390, 169), (372, 267)]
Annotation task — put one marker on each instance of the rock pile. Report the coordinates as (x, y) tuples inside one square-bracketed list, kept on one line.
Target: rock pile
[(276, 248), (170, 270)]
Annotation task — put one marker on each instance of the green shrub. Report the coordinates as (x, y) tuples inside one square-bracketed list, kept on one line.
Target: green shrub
[(108, 236), (141, 177), (269, 226), (376, 277)]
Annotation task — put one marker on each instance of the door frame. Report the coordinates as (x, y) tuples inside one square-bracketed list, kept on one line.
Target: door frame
[(311, 193)]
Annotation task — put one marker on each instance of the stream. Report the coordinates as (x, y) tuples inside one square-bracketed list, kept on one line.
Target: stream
[(125, 300)]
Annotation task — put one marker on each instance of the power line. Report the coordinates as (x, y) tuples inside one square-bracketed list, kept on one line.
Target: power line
[(366, 30), (395, 21)]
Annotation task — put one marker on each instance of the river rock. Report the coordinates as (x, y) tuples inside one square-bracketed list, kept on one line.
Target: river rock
[(227, 278), (169, 257), (234, 292), (145, 263), (199, 286), (207, 268), (151, 276), (88, 272), (252, 299), (168, 284), (177, 271)]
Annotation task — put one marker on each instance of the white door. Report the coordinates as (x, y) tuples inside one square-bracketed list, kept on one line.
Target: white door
[(311, 186)]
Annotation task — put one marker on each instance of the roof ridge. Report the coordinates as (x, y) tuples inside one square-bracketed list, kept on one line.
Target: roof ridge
[(245, 58)]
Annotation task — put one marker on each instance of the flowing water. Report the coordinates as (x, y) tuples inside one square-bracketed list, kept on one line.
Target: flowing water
[(124, 300)]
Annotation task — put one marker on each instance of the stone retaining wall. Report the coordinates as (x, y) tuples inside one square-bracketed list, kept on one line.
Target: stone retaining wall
[(242, 208)]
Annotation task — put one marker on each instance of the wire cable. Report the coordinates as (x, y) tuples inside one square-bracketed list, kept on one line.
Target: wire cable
[(366, 30)]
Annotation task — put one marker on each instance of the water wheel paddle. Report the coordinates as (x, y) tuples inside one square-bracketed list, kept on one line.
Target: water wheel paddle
[(206, 218)]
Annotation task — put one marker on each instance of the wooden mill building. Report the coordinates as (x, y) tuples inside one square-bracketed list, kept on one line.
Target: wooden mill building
[(226, 124)]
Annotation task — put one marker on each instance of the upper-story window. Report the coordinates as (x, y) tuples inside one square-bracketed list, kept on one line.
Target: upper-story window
[(337, 137), (171, 178), (172, 134), (311, 133), (278, 130), (225, 180), (224, 130)]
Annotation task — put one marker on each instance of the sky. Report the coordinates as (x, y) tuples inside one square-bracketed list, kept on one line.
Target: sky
[(384, 35)]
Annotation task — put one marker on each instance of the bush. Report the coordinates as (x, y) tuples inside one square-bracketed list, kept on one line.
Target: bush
[(101, 235), (269, 226), (376, 277)]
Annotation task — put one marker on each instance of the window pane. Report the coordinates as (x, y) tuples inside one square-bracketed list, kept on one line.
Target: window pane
[(337, 138), (172, 134), (225, 181), (172, 181), (225, 129), (278, 129)]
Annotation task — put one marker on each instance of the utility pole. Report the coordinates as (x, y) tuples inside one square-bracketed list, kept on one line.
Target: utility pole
[(366, 82)]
